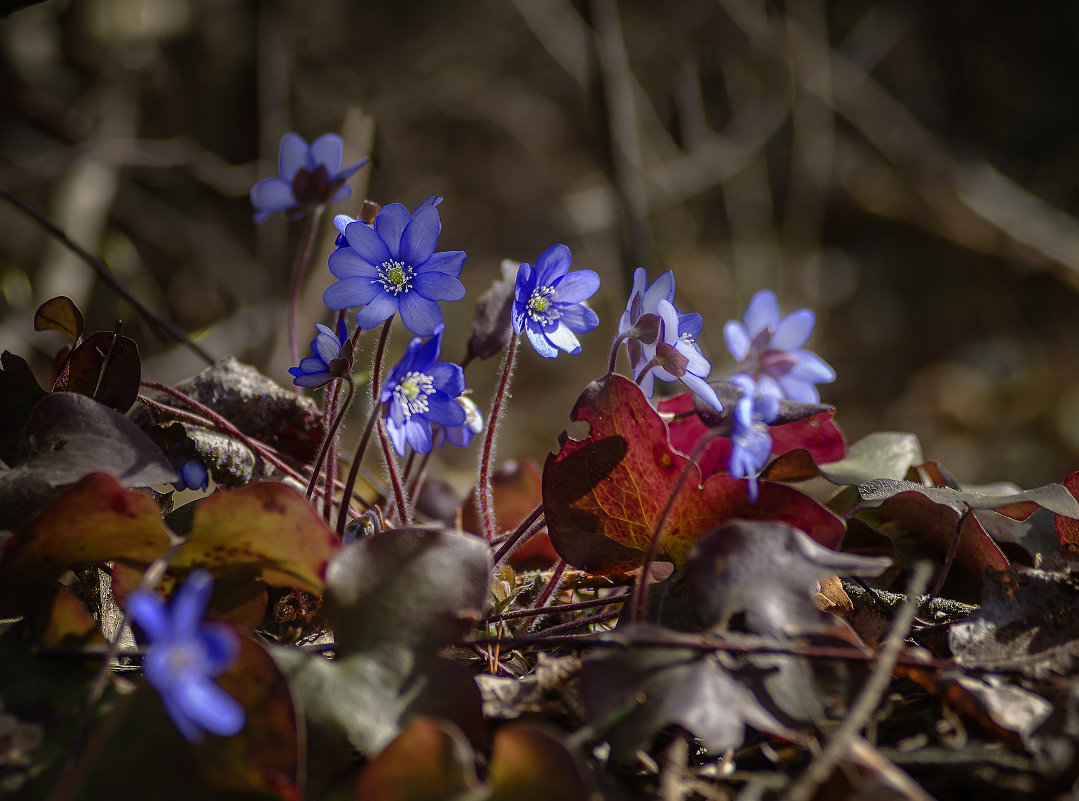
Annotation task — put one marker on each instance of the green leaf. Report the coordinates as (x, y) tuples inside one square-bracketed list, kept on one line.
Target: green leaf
[(882, 454)]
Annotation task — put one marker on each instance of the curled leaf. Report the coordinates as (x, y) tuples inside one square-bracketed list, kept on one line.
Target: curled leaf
[(60, 314)]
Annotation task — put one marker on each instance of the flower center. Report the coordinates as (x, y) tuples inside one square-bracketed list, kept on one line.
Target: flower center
[(395, 277), (539, 305), (412, 393)]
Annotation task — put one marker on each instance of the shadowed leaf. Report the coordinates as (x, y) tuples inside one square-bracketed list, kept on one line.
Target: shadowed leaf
[(531, 764), (603, 495), (430, 760), (19, 393), (106, 368)]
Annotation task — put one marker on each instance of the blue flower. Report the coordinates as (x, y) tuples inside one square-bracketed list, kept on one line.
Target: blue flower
[(332, 358), (310, 176), (751, 443), (193, 475), (420, 391), (662, 340), (392, 266), (462, 435), (548, 302), (769, 350), (185, 655)]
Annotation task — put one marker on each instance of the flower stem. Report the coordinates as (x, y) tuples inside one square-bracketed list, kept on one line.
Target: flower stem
[(414, 475), (403, 513), (486, 500), (354, 469), (545, 597), (528, 527), (614, 350), (330, 435), (299, 267)]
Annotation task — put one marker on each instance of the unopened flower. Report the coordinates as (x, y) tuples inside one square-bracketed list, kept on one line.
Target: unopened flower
[(548, 302), (331, 357), (193, 475), (751, 442), (662, 341), (310, 176), (185, 655), (768, 350), (462, 435), (391, 265), (420, 391)]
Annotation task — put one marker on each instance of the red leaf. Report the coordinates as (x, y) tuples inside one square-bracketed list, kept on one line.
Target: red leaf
[(1068, 527), (603, 495), (818, 435)]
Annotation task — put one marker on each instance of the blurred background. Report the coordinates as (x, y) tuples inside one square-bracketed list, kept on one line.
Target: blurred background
[(908, 169)]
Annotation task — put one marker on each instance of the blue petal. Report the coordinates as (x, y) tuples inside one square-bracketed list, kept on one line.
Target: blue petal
[(426, 354), (351, 170), (390, 223), (762, 313), (348, 263), (381, 307), (438, 286), (737, 339), (703, 390), (578, 319), (576, 286), (690, 324), (189, 604), (294, 155), (448, 377), (446, 261), (797, 389), (351, 293), (148, 611), (444, 410), (418, 434), (420, 316), (794, 330), (540, 343), (319, 379), (552, 263), (342, 221), (397, 436), (662, 289), (191, 732), (219, 646), (561, 337), (209, 707), (811, 367), (328, 150), (420, 236), (367, 243), (272, 194), (344, 192)]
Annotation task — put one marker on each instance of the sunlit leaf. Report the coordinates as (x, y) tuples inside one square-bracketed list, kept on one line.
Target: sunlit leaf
[(603, 495), (92, 522), (531, 764), (60, 314)]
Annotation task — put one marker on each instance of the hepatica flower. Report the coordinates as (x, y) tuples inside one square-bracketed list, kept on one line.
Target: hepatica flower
[(420, 391), (331, 357), (184, 656), (769, 350), (193, 475), (751, 442), (392, 266), (662, 341), (310, 176), (462, 435), (548, 302)]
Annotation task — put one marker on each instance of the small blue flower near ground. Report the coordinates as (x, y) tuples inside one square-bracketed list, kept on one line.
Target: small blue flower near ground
[(548, 302), (310, 176), (332, 358), (392, 266), (769, 350), (662, 341), (751, 443), (420, 391), (184, 656), (193, 476)]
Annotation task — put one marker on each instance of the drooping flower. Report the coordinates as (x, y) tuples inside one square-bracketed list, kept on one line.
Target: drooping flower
[(185, 655), (193, 475), (662, 341), (462, 435), (331, 357), (751, 442), (769, 350), (548, 302), (310, 176), (420, 391), (392, 266)]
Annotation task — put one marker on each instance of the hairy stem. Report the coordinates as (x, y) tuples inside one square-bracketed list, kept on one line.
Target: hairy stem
[(483, 488), (330, 434), (403, 510), (527, 528)]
